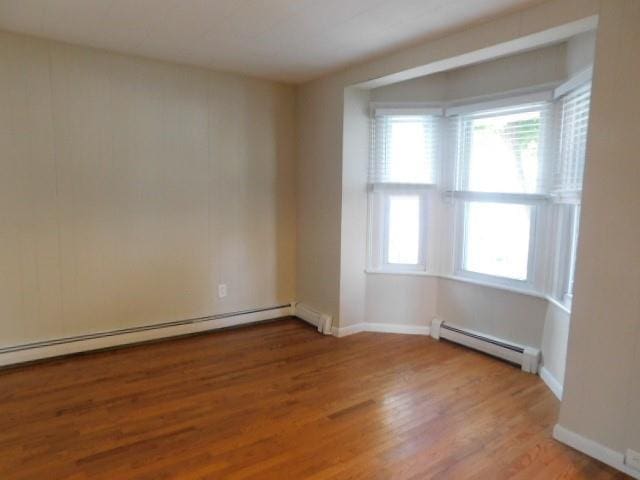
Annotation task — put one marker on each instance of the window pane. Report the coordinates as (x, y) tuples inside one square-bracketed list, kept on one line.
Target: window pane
[(409, 150), (497, 239), (573, 250), (404, 230), (503, 154)]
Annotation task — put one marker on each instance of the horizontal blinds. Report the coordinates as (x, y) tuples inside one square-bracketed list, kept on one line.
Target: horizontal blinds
[(501, 151), (405, 149), (574, 121)]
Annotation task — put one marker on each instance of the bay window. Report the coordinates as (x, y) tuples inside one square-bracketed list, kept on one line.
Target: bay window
[(487, 192), (404, 167)]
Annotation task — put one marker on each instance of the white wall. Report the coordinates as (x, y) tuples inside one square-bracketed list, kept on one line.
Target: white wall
[(602, 388), (581, 51), (131, 188), (503, 314), (555, 338)]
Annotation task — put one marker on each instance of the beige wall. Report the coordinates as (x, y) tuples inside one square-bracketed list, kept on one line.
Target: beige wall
[(131, 188), (319, 154), (401, 299), (581, 51), (353, 252), (538, 67), (602, 389)]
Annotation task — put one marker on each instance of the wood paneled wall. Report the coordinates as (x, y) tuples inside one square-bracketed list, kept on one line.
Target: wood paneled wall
[(129, 189)]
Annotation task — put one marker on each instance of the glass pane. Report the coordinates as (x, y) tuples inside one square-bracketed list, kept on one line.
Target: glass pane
[(409, 153), (573, 251), (503, 153), (497, 239), (404, 230)]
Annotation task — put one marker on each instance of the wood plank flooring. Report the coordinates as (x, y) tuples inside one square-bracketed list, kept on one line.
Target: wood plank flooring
[(278, 400)]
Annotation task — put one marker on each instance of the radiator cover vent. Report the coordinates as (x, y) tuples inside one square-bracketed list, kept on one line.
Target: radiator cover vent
[(527, 357), (318, 319)]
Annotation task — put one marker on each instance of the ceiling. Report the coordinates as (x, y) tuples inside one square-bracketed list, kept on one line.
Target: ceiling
[(286, 40)]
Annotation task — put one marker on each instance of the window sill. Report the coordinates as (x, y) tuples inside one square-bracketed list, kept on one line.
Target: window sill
[(456, 278), (410, 273), (559, 305)]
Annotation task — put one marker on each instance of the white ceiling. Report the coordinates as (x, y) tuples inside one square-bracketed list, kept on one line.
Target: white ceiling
[(288, 40)]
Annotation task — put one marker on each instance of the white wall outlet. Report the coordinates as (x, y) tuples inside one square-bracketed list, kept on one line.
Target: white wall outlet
[(632, 459), (222, 290)]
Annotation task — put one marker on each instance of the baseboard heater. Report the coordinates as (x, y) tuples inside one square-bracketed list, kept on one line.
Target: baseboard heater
[(15, 354), (318, 319), (527, 357)]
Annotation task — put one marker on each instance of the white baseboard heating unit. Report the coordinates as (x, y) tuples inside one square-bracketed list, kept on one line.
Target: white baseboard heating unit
[(527, 357), (318, 319)]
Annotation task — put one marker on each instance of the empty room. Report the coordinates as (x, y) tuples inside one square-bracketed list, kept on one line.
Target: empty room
[(319, 239)]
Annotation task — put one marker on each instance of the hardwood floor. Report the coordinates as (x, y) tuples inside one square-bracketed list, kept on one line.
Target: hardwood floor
[(278, 400)]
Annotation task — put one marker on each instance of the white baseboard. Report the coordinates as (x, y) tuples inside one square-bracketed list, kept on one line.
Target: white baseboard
[(321, 321), (380, 328), (594, 449), (346, 331), (97, 341), (554, 385), (394, 328)]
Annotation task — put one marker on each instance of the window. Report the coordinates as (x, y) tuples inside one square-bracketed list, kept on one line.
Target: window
[(403, 230), (572, 122), (499, 189), (499, 184), (405, 149), (497, 239), (502, 152), (404, 167)]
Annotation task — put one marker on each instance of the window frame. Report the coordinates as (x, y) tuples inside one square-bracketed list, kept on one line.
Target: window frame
[(380, 191), (379, 201), (443, 203), (460, 243), (566, 228), (463, 197)]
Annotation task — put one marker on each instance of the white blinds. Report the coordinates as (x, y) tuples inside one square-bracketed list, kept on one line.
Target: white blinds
[(502, 151), (404, 149), (574, 120)]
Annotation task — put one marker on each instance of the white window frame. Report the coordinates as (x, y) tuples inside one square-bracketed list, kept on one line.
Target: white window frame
[(536, 201), (562, 269), (530, 282), (379, 196), (552, 246)]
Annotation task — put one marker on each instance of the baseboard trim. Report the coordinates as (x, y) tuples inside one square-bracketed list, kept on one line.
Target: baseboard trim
[(552, 382), (346, 331), (593, 449), (115, 338), (380, 328)]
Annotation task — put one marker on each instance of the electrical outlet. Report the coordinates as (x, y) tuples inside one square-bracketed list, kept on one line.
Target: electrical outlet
[(222, 290), (632, 459)]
